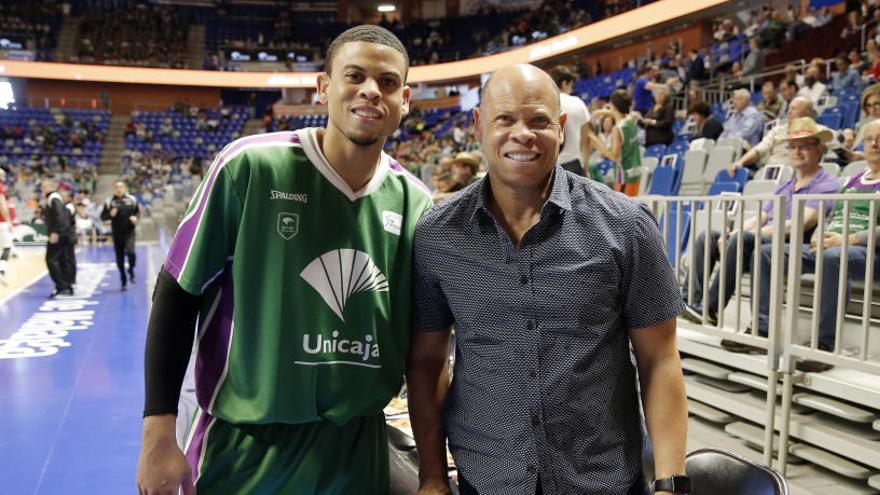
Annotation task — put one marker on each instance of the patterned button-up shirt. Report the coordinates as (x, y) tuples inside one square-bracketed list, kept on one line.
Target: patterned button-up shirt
[(543, 385)]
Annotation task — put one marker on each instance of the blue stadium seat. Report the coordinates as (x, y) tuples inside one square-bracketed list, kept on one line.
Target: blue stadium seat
[(663, 181)]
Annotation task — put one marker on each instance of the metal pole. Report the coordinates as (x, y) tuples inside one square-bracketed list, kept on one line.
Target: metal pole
[(869, 279), (773, 341), (794, 289)]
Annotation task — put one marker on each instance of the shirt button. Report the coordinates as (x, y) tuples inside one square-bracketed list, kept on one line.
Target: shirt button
[(531, 469), (524, 280)]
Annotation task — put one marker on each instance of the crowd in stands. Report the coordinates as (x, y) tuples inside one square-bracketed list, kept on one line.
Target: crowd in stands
[(140, 35), (32, 25), (488, 31)]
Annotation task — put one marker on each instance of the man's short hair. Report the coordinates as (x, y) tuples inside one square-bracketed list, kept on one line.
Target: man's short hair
[(621, 100), (562, 74), (369, 34), (742, 92), (700, 107)]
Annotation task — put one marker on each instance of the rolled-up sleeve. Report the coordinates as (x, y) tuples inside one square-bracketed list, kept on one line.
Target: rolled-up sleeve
[(430, 309), (651, 295)]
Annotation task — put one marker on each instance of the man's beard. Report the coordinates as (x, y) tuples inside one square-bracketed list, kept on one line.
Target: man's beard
[(361, 140)]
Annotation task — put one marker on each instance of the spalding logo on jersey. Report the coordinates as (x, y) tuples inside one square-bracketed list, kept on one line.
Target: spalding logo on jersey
[(339, 274)]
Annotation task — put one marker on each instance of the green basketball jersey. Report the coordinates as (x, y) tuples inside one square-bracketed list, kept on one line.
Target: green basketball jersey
[(630, 163), (306, 283), (860, 210)]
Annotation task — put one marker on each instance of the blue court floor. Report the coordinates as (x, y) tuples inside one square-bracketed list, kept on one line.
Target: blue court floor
[(71, 381)]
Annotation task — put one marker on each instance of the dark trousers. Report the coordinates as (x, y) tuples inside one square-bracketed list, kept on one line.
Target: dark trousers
[(573, 166), (465, 488), (729, 268), (124, 246), (856, 267), (61, 261)]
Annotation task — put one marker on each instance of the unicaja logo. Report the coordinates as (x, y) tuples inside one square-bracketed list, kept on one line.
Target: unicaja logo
[(339, 274)]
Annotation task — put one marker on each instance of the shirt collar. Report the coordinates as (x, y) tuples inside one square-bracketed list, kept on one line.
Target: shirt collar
[(559, 193)]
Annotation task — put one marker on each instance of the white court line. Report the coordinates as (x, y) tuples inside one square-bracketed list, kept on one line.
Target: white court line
[(25, 286)]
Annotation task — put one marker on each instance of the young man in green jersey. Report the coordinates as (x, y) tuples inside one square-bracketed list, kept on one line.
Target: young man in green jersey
[(295, 253)]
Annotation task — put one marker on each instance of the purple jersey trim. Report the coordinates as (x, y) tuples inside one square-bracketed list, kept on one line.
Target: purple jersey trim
[(398, 169), (186, 232), (213, 356)]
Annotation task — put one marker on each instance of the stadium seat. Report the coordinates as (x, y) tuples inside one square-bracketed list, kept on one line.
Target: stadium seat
[(854, 168), (719, 159), (663, 182), (831, 120), (831, 168), (740, 177), (692, 173)]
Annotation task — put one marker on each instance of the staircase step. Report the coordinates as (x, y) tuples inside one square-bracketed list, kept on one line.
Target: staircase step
[(727, 386), (705, 368), (753, 381), (709, 413), (874, 481), (830, 461), (834, 407)]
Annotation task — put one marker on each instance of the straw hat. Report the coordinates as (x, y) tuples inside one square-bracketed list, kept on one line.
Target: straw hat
[(465, 158), (805, 127)]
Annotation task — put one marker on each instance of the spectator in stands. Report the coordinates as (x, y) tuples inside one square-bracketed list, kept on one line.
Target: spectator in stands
[(643, 100), (788, 88), (574, 152), (624, 151), (813, 88), (707, 126), (754, 61), (771, 103), (791, 74), (773, 148), (806, 145), (463, 172), (856, 61), (846, 77), (596, 160), (873, 64), (6, 218), (658, 121), (852, 139), (744, 120), (696, 69), (866, 184)]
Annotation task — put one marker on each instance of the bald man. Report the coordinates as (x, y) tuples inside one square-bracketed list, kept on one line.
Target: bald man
[(773, 148), (543, 273)]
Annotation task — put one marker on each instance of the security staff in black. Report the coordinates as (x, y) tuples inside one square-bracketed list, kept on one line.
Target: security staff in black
[(122, 210), (60, 257)]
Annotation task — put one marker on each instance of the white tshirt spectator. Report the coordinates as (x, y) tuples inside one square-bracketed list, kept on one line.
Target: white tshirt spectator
[(812, 88), (577, 115)]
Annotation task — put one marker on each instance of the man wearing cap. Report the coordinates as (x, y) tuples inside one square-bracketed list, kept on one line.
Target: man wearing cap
[(806, 146), (866, 184), (773, 148), (463, 169)]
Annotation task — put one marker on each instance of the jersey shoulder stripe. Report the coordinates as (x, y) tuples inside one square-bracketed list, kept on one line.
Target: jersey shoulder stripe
[(397, 169), (181, 247)]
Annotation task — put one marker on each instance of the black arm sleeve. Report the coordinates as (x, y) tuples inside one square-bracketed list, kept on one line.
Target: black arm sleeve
[(169, 344)]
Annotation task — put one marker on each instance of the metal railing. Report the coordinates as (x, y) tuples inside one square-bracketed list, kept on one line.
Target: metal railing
[(792, 349), (695, 216), (673, 223)]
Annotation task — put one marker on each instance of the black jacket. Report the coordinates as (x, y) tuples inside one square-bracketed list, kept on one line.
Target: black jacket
[(57, 216), (126, 207)]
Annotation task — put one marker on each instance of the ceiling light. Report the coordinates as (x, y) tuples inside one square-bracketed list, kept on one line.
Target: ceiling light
[(387, 8)]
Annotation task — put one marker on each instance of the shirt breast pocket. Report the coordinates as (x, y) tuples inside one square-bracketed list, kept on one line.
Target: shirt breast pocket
[(583, 296)]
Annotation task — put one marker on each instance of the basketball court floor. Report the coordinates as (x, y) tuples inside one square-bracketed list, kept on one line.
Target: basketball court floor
[(71, 382)]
